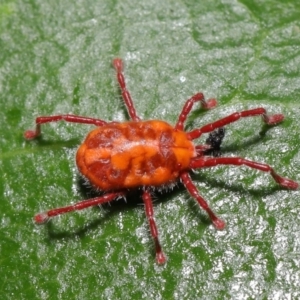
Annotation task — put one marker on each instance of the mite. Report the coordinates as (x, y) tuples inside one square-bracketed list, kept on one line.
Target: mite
[(147, 155)]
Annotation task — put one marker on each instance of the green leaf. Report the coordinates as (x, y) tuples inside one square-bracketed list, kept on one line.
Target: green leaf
[(56, 58)]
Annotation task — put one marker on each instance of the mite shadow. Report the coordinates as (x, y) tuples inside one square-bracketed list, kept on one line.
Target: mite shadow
[(44, 143), (254, 140)]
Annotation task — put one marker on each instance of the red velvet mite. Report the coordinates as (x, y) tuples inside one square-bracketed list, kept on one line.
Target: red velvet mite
[(116, 157)]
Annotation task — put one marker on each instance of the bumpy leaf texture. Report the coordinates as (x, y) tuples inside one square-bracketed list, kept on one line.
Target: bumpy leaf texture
[(56, 58)]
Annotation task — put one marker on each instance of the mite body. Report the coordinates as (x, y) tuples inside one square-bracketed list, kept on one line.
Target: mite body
[(133, 154)]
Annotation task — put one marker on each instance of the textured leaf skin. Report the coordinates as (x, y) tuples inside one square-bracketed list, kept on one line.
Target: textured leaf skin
[(56, 58)]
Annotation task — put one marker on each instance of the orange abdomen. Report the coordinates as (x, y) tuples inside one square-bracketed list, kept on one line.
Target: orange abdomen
[(132, 154)]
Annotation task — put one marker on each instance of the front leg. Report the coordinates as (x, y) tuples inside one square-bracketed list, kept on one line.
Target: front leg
[(260, 111), (32, 134)]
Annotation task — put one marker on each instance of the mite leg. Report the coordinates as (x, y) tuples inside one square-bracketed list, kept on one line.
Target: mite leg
[(210, 103), (190, 186), (44, 216), (160, 257), (118, 65), (269, 120), (31, 134), (206, 162)]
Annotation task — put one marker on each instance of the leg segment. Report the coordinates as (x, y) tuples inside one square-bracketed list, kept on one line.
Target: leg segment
[(269, 120), (206, 162), (44, 216), (210, 103), (118, 65), (31, 134), (160, 257), (188, 183)]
